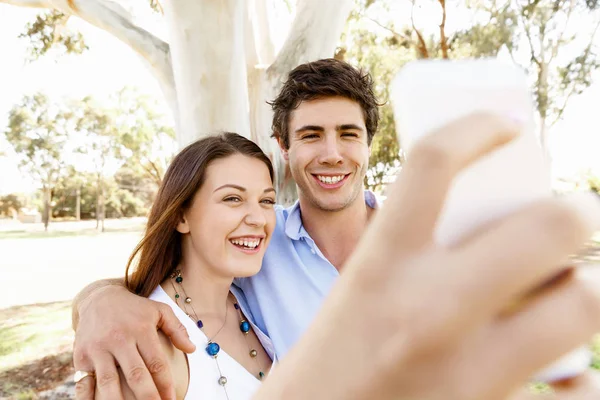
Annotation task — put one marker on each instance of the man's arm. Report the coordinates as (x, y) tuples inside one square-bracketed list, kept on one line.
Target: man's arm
[(86, 292), (118, 328)]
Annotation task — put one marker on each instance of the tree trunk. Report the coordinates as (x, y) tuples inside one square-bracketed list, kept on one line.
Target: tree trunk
[(78, 205), (207, 53), (99, 202), (543, 102), (47, 213)]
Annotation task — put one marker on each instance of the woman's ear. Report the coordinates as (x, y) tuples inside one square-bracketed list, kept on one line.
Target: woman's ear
[(183, 226)]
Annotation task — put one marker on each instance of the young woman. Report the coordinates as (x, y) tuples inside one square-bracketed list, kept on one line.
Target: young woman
[(211, 221)]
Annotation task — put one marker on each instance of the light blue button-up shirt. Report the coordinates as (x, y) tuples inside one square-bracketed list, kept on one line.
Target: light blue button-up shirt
[(286, 294)]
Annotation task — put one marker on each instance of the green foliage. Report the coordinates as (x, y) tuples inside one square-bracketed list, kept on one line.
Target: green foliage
[(48, 31), (544, 30), (8, 204), (129, 136), (38, 132), (144, 133)]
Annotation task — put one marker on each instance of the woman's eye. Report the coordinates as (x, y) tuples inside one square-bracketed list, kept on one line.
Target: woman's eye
[(268, 201), (232, 199)]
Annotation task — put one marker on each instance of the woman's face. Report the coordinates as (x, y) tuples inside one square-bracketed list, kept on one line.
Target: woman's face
[(229, 224)]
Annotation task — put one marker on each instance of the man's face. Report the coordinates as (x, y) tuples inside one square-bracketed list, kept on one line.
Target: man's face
[(328, 153)]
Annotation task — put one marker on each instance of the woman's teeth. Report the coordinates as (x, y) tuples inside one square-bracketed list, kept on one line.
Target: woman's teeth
[(330, 179), (249, 243)]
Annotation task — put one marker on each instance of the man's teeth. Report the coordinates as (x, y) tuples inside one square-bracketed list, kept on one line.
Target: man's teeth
[(250, 243), (330, 179)]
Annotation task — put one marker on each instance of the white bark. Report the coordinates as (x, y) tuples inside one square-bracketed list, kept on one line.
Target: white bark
[(207, 46)]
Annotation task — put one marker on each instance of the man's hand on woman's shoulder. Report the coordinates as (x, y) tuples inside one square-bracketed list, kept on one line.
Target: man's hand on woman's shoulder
[(119, 328)]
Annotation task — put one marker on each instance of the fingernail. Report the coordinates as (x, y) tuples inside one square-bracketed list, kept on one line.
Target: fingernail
[(587, 204)]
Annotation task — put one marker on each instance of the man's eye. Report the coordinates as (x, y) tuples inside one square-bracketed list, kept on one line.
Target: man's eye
[(350, 134), (310, 136)]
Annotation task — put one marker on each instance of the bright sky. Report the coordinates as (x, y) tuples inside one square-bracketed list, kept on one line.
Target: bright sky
[(109, 65)]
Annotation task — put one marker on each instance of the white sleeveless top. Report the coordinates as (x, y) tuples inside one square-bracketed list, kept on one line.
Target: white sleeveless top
[(204, 374)]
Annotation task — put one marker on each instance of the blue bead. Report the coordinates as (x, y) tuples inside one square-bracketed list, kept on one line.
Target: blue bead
[(179, 279), (213, 349), (237, 307), (245, 326), (200, 324)]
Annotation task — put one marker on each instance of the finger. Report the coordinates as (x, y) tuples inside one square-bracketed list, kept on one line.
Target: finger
[(172, 327), (521, 251), (419, 193), (108, 385), (556, 322), (85, 388), (156, 360), (136, 373)]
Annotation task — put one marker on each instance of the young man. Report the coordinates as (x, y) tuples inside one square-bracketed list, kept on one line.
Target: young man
[(325, 118)]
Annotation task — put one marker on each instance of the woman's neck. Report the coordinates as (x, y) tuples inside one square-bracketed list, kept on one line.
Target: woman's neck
[(207, 289)]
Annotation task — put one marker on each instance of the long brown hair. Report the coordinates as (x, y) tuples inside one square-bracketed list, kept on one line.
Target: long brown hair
[(160, 248)]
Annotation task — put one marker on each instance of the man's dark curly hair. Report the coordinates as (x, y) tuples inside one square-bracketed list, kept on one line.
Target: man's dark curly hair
[(320, 79)]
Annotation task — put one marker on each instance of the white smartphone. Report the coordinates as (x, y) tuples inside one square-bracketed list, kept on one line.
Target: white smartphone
[(429, 94)]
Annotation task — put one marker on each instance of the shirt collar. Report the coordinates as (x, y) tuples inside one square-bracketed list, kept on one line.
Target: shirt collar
[(294, 228)]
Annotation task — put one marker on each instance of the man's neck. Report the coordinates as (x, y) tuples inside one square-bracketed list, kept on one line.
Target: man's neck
[(336, 233)]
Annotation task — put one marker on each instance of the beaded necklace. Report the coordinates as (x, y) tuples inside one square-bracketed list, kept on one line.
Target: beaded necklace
[(212, 348)]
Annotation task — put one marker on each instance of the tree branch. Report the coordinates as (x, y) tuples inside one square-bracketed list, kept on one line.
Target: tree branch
[(422, 46), (114, 19), (443, 39), (533, 56), (387, 28), (561, 110), (28, 3), (560, 36)]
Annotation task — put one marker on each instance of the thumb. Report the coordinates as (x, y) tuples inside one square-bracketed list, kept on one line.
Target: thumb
[(173, 328)]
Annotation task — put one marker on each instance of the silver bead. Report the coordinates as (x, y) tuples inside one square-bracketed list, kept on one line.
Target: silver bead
[(222, 381), (188, 300), (253, 353)]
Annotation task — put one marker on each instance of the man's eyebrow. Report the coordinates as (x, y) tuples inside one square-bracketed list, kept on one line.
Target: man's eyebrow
[(230, 185), (348, 127), (310, 128)]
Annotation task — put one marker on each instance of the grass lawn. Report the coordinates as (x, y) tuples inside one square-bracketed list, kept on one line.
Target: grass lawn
[(41, 271), (35, 347)]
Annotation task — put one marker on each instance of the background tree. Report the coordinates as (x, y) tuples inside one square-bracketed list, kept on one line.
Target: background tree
[(97, 129), (554, 40), (10, 204), (145, 134), (219, 66), (38, 130)]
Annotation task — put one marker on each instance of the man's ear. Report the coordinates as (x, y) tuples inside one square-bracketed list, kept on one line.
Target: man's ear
[(183, 226), (284, 151)]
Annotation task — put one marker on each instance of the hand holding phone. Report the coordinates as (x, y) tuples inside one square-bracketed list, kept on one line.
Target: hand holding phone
[(427, 95)]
